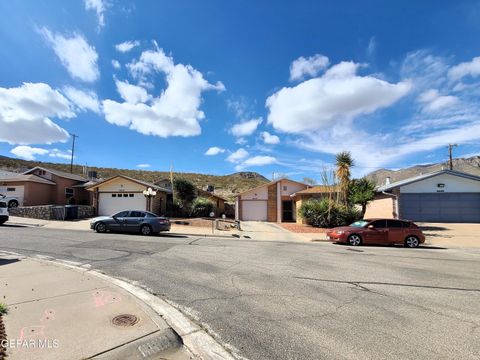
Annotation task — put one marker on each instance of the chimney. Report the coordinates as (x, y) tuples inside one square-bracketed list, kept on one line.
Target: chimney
[(387, 180)]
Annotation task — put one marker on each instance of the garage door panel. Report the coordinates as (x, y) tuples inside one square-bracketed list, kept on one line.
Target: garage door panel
[(254, 210), (109, 205), (447, 207)]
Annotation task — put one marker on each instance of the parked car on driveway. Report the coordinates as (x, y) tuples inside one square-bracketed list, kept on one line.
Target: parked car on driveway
[(12, 201), (3, 212), (131, 221), (378, 231)]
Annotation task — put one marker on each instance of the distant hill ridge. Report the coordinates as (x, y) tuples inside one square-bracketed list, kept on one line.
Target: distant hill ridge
[(226, 186), (469, 165)]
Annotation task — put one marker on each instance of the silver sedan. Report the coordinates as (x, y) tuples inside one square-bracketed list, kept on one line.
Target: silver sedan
[(131, 221)]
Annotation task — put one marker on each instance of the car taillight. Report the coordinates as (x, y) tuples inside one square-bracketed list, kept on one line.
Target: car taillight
[(163, 221)]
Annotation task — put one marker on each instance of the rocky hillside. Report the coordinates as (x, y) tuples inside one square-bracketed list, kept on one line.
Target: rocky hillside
[(469, 165), (226, 186)]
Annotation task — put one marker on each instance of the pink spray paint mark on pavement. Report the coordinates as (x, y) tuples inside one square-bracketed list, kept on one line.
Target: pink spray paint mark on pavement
[(103, 298)]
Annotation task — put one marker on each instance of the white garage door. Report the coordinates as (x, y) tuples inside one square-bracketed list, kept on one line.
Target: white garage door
[(13, 191), (109, 204), (254, 210)]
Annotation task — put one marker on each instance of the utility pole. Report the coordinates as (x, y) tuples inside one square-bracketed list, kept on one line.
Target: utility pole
[(73, 150), (450, 147)]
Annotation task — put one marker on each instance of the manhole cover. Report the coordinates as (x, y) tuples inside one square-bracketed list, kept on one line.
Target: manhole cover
[(125, 320)]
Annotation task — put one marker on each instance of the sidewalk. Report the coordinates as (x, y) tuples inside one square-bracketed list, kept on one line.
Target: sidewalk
[(59, 313)]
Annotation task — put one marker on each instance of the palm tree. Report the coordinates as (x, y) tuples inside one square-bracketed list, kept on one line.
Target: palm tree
[(344, 162)]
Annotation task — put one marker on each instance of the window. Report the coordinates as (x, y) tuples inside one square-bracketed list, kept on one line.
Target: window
[(125, 195), (285, 188), (130, 195), (378, 224), (10, 189), (394, 224), (68, 192), (136, 214), (121, 214), (114, 195)]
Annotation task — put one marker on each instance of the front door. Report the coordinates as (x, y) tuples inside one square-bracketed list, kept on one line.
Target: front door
[(287, 210), (378, 234)]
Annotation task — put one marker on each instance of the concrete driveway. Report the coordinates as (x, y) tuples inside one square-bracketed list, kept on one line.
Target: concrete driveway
[(267, 231), (451, 234)]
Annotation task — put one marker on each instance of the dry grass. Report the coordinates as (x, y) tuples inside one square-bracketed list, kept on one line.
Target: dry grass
[(300, 228)]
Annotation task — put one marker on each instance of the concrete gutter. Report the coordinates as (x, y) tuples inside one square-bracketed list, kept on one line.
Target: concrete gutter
[(201, 344)]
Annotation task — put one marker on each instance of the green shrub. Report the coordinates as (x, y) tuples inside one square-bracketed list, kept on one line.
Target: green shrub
[(202, 207), (3, 308), (327, 213)]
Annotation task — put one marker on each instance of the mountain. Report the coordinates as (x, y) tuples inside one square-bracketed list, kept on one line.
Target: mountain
[(226, 186), (469, 165)]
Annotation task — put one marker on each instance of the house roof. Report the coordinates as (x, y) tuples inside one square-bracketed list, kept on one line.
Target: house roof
[(28, 178), (7, 174), (426, 176), (206, 193), (141, 182), (58, 173), (270, 183), (319, 189)]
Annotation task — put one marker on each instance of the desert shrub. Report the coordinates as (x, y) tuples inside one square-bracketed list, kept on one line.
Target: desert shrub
[(327, 213), (202, 207)]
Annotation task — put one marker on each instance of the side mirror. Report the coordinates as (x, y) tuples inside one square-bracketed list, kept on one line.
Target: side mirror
[(371, 227)]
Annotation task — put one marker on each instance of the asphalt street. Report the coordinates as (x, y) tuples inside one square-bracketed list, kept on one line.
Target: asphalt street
[(280, 300)]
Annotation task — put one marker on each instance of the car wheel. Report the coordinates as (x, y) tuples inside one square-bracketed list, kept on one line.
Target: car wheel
[(2, 222), (13, 204), (354, 240), (100, 227), (146, 230), (412, 241)]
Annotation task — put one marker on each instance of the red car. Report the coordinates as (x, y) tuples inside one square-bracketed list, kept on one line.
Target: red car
[(378, 231)]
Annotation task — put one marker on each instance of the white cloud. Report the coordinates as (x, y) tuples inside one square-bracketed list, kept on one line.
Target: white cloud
[(126, 46), (116, 65), (60, 154), (269, 138), (99, 7), (246, 128), (461, 70), (433, 102), (27, 152), (241, 141), (175, 112), (237, 155), (256, 161), (338, 95), (143, 166), (214, 150), (25, 113), (78, 57), (132, 94), (30, 153), (311, 66), (84, 100)]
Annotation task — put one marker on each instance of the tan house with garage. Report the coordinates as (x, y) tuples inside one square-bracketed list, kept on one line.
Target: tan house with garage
[(122, 192), (272, 202), (42, 186)]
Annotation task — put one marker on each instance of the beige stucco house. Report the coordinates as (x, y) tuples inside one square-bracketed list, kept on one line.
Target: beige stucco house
[(122, 192)]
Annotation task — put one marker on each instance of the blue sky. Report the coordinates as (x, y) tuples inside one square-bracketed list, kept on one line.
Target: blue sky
[(222, 86)]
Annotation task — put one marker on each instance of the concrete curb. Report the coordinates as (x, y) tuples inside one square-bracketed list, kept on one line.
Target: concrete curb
[(196, 339)]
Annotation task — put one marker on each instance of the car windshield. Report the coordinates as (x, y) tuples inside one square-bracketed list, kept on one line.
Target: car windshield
[(360, 223)]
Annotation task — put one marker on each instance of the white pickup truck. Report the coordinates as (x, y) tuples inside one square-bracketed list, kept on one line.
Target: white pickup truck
[(11, 201), (3, 212)]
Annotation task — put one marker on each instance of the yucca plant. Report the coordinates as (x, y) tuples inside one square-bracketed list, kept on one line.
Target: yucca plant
[(344, 162)]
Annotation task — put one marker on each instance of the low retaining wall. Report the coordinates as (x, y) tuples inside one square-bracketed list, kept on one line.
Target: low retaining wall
[(50, 212)]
